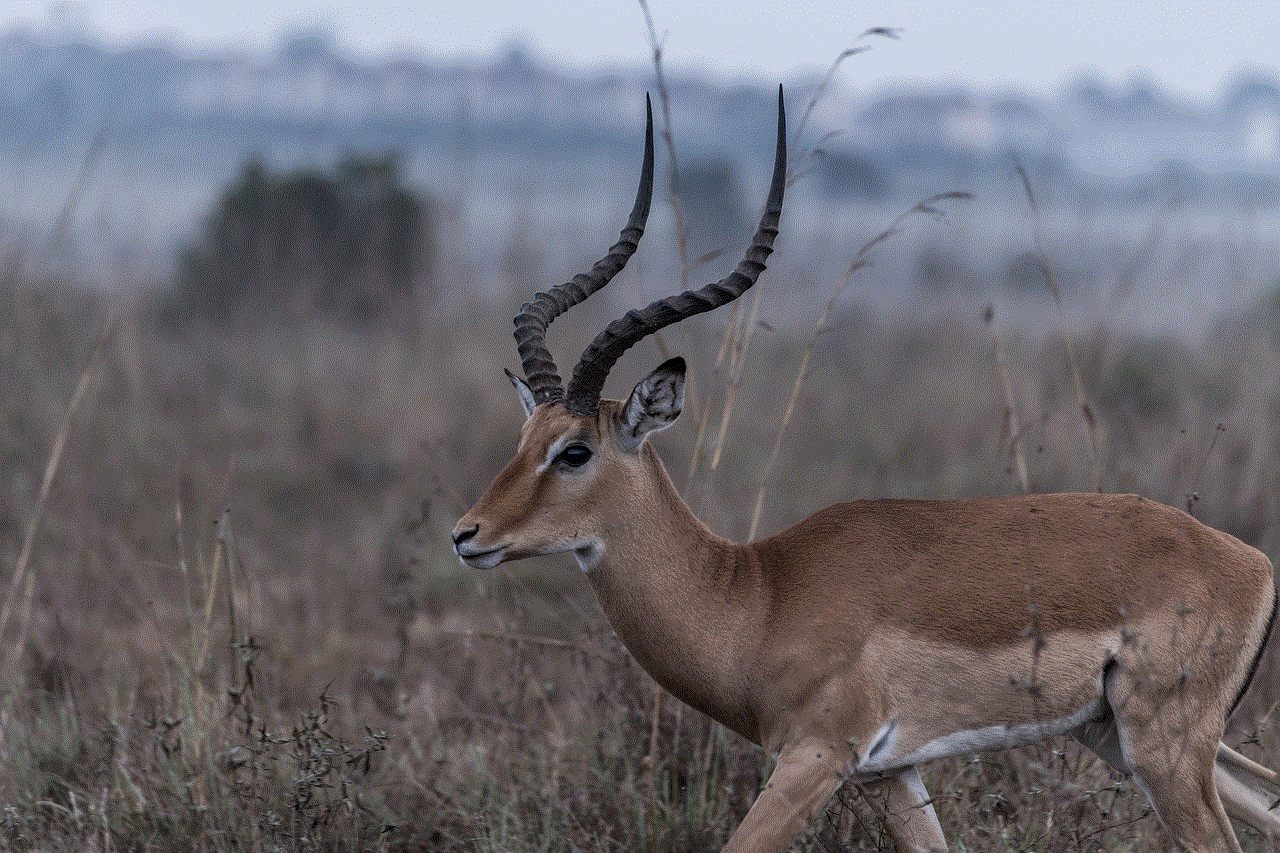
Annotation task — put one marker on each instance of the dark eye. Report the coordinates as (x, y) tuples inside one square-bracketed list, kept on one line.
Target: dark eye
[(575, 455)]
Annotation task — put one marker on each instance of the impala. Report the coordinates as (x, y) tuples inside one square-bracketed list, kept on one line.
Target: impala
[(881, 634)]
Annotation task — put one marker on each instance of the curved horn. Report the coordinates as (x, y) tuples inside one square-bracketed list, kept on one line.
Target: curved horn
[(534, 317), (592, 370)]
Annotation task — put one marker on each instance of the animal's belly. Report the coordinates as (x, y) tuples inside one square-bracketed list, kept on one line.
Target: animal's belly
[(938, 700)]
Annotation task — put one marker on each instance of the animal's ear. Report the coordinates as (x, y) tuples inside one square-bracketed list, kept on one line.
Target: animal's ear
[(525, 392), (654, 403)]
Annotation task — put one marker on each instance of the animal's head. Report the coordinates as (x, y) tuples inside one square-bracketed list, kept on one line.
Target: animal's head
[(579, 459)]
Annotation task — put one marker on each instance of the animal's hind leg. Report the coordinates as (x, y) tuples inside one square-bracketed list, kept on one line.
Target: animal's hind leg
[(1189, 807), (1170, 743), (1241, 802)]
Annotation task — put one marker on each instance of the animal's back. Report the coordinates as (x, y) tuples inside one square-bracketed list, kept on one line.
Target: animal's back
[(988, 571)]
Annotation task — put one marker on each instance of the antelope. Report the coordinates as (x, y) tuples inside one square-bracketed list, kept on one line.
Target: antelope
[(881, 634)]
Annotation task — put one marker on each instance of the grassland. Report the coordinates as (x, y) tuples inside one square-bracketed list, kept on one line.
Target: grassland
[(241, 628)]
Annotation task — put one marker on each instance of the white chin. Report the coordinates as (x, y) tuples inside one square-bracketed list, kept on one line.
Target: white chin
[(483, 561)]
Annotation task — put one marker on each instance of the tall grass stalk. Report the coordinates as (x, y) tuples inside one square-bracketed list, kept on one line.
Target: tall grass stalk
[(736, 338), (23, 580), (1041, 257), (861, 260), (1012, 429), (737, 359), (824, 85)]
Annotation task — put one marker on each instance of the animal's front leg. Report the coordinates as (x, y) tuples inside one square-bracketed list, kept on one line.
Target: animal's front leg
[(905, 808), (805, 777)]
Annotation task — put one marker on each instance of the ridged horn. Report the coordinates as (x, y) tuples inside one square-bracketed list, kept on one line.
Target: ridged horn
[(593, 368), (534, 317)]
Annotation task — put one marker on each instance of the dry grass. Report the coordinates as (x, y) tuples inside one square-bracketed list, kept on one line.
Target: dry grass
[(248, 632), (233, 621)]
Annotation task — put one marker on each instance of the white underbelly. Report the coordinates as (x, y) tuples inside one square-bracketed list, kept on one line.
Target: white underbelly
[(891, 750)]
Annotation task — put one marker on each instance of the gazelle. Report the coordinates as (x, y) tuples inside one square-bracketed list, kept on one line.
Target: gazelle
[(881, 634)]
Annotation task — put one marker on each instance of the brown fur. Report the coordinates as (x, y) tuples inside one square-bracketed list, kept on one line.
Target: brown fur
[(1063, 562), (923, 619)]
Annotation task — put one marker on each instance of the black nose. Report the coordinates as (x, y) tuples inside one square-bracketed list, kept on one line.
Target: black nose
[(460, 536)]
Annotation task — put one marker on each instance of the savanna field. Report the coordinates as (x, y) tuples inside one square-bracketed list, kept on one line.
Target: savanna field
[(233, 621)]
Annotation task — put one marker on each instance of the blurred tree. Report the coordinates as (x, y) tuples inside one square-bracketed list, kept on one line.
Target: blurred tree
[(1257, 321), (714, 210), (1269, 305), (352, 243), (846, 175)]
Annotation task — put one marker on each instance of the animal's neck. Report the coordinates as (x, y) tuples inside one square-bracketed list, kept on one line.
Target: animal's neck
[(682, 599)]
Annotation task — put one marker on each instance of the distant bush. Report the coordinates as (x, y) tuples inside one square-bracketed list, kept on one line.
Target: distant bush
[(1269, 314), (849, 175), (714, 210), (351, 243), (1257, 321), (1022, 274), (1146, 381)]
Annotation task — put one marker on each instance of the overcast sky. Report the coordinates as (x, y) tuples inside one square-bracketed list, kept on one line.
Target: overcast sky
[(1191, 47)]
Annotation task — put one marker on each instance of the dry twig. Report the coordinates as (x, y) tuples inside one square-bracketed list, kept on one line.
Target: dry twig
[(22, 581), (860, 260), (1041, 258), (1012, 427)]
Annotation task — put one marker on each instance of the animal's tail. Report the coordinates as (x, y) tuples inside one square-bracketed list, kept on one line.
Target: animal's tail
[(1260, 692)]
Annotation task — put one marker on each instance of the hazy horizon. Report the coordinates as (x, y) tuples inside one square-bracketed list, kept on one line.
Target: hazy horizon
[(1192, 50)]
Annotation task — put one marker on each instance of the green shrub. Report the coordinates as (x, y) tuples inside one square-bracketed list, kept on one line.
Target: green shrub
[(351, 243)]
